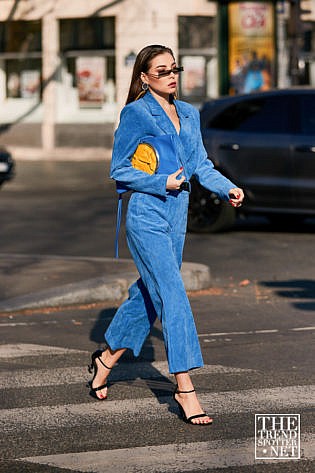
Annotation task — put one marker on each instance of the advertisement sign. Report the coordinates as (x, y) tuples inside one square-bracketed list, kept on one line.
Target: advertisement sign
[(90, 81), (14, 85), (251, 46), (30, 84)]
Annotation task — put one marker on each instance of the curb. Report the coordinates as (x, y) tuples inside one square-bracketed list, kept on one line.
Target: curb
[(100, 289)]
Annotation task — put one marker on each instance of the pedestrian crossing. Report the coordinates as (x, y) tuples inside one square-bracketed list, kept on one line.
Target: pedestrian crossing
[(112, 411), (70, 375), (167, 458), (206, 453)]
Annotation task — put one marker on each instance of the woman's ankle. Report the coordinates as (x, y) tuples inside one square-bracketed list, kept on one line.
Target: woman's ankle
[(184, 382), (110, 357)]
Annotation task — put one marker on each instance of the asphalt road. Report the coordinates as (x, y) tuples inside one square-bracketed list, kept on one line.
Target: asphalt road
[(255, 324)]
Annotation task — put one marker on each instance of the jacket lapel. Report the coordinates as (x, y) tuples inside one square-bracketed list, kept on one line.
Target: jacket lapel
[(160, 117), (185, 121), (185, 138)]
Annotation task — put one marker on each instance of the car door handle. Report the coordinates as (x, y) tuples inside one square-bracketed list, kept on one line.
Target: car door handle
[(230, 146), (305, 149)]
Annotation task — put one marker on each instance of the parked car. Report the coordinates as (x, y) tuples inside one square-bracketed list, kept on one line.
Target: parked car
[(6, 166), (265, 143)]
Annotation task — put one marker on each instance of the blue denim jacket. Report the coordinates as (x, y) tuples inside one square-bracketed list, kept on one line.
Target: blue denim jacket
[(145, 117)]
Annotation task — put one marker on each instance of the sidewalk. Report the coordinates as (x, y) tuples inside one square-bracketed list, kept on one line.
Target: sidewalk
[(37, 281), (34, 281), (61, 154)]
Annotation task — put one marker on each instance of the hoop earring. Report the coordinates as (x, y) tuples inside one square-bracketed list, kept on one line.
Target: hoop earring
[(144, 87)]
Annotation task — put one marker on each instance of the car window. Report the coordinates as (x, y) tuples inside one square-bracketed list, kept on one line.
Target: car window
[(307, 114), (263, 115)]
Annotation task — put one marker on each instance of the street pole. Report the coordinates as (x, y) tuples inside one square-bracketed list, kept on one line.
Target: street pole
[(294, 31), (283, 53), (50, 76)]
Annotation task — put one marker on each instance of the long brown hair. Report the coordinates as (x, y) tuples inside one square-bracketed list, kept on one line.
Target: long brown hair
[(142, 64)]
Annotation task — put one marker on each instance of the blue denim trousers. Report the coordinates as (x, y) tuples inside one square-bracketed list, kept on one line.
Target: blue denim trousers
[(156, 228)]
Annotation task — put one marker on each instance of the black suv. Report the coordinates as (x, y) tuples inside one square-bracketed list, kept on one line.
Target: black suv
[(265, 143)]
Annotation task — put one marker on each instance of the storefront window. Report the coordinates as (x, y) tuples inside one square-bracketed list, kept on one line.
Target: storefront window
[(23, 78), (197, 53), (307, 59), (20, 43), (87, 34), (20, 36), (88, 48), (196, 32)]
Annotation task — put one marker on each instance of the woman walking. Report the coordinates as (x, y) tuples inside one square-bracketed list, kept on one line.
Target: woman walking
[(156, 226)]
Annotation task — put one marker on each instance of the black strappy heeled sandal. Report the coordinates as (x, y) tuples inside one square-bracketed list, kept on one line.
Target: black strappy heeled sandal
[(97, 356), (188, 420)]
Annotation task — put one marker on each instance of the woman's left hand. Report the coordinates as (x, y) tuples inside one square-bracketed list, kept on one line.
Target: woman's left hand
[(173, 182), (236, 196)]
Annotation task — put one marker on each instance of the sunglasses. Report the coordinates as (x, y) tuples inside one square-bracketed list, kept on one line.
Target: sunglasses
[(159, 75)]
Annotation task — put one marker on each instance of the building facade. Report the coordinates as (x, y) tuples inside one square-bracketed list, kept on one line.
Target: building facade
[(65, 66)]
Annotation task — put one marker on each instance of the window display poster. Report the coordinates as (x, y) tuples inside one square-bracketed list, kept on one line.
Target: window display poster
[(251, 46), (30, 84), (90, 73), (193, 79), (13, 85)]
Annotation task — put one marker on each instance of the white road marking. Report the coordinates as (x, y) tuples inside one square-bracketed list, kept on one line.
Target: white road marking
[(79, 374), (18, 324), (255, 332), (151, 408), (170, 458), (300, 329), (28, 349), (173, 458), (28, 324), (201, 335)]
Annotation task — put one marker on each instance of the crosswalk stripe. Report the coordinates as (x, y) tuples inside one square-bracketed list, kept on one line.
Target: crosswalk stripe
[(29, 349), (111, 412), (171, 458), (79, 374), (168, 458)]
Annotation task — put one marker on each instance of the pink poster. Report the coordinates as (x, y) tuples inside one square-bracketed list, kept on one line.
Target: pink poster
[(91, 81)]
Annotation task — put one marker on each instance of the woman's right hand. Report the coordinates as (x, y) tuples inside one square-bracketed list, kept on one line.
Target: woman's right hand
[(172, 183)]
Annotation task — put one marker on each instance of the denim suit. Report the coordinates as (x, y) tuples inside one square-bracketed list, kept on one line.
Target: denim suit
[(155, 228)]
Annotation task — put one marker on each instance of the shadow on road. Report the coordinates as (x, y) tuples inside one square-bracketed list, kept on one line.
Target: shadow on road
[(295, 289), (158, 383), (284, 225)]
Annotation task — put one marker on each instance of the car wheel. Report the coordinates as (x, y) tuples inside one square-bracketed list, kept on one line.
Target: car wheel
[(207, 213)]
